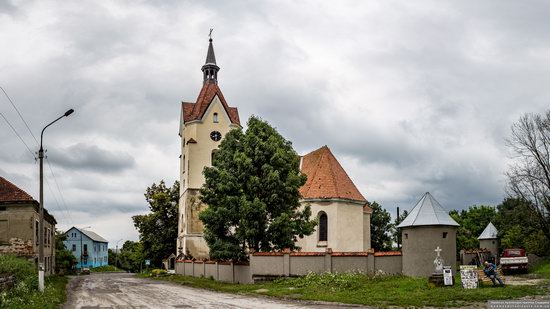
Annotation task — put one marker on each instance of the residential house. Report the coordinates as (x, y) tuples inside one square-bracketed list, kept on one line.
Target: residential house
[(19, 226), (90, 249)]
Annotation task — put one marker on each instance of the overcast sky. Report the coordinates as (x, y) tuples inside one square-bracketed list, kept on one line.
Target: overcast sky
[(411, 96)]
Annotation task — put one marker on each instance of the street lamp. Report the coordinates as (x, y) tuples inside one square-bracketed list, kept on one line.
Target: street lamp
[(41, 225), (116, 253)]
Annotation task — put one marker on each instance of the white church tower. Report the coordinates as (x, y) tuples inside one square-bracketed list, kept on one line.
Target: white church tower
[(203, 124)]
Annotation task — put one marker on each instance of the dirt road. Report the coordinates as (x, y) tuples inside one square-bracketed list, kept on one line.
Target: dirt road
[(120, 290)]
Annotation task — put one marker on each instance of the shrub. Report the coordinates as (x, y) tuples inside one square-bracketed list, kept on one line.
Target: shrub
[(158, 272), (24, 271), (340, 281)]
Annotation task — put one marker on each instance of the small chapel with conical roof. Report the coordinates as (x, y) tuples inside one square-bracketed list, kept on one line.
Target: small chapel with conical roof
[(428, 231)]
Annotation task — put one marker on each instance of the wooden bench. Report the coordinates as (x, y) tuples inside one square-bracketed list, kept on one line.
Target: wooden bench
[(486, 280)]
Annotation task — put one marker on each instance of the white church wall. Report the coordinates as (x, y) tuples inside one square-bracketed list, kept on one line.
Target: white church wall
[(345, 227)]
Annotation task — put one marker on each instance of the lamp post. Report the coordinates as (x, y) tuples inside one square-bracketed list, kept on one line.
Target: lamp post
[(41, 225), (116, 253)]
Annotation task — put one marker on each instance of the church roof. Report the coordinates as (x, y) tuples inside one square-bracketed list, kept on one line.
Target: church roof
[(210, 56), (326, 179), (490, 232), (11, 193), (428, 212), (195, 111)]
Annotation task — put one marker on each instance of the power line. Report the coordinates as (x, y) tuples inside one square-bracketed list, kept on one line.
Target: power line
[(59, 190), (17, 133), (20, 116), (55, 199), (63, 211)]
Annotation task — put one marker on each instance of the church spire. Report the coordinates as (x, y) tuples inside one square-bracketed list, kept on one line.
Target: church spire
[(210, 69)]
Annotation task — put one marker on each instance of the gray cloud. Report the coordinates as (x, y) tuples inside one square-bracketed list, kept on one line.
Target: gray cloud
[(410, 96), (91, 157)]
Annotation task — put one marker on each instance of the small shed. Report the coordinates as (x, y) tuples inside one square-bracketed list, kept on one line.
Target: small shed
[(427, 227), (489, 239)]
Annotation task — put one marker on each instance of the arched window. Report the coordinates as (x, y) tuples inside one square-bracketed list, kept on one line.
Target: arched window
[(323, 226), (215, 117)]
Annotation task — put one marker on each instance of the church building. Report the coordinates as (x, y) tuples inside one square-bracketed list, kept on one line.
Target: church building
[(203, 124), (341, 210)]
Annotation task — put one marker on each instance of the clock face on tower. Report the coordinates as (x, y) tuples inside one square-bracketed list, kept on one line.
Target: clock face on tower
[(215, 136)]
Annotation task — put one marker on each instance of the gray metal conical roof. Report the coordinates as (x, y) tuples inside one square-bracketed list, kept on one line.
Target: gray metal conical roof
[(428, 212), (210, 56), (490, 232)]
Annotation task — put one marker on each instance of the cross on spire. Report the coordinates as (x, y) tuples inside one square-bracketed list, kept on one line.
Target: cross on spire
[(438, 250)]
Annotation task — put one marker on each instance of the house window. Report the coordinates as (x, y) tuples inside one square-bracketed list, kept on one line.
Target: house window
[(444, 234), (406, 236), (74, 248), (215, 117), (183, 165), (36, 232), (85, 248), (323, 227)]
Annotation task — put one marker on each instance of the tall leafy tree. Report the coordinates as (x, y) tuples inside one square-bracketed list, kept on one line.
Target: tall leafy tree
[(64, 259), (518, 228), (158, 230), (529, 176), (252, 194), (131, 256), (381, 228)]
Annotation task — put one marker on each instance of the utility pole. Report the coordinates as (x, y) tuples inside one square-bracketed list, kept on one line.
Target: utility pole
[(41, 224), (116, 254)]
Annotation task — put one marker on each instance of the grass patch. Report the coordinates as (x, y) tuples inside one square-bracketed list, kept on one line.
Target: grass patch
[(355, 288), (542, 269), (25, 292), (106, 268)]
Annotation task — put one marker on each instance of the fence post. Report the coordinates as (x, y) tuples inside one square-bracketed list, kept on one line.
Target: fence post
[(193, 268), (328, 260), (217, 271), (286, 264), (233, 272)]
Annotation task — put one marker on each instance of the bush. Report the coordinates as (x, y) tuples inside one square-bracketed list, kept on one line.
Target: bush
[(26, 274), (340, 281), (158, 272)]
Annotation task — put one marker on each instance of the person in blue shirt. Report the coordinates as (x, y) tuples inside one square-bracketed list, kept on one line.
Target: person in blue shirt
[(490, 271)]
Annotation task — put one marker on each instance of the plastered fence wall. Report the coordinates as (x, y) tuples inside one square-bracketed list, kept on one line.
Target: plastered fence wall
[(267, 265)]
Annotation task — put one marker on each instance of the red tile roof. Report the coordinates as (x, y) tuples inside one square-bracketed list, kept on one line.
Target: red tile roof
[(326, 178), (11, 193), (195, 111)]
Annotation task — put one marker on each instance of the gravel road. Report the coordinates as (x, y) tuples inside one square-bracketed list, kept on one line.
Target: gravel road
[(120, 290)]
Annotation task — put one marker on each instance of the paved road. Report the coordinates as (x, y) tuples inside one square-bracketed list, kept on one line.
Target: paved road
[(120, 290)]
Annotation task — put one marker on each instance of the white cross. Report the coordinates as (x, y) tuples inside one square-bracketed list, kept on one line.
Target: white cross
[(438, 250)]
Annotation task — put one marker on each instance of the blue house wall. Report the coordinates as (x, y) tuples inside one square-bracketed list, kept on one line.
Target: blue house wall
[(95, 252)]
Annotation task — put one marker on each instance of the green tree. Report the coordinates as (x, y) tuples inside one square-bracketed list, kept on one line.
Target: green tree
[(518, 227), (529, 176), (381, 228), (513, 237), (131, 256), (158, 230), (472, 223), (252, 194), (64, 259)]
